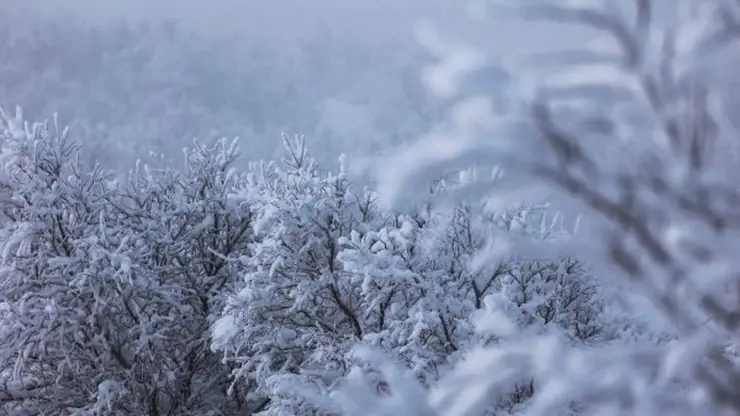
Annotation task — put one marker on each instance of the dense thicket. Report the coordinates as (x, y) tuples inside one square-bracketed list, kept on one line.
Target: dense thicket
[(110, 288)]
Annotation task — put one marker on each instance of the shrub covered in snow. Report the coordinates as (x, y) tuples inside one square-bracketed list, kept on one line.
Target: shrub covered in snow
[(329, 270), (109, 288)]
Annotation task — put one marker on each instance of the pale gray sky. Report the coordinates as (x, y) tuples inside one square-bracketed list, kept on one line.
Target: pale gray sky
[(283, 20), (280, 24)]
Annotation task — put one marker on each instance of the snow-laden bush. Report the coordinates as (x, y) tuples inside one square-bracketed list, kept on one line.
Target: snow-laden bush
[(430, 256), (108, 288), (329, 270), (299, 309)]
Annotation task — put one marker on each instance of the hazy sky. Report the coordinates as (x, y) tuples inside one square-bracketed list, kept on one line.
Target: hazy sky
[(283, 20), (369, 26)]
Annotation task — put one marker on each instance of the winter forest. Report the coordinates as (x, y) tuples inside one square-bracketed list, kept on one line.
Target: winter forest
[(387, 208)]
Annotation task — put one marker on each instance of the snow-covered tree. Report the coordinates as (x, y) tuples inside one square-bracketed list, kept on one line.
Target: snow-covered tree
[(420, 266), (298, 309), (193, 234), (57, 275), (108, 288), (329, 270)]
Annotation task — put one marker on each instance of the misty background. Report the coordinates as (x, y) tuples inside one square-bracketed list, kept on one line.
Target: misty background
[(135, 76)]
